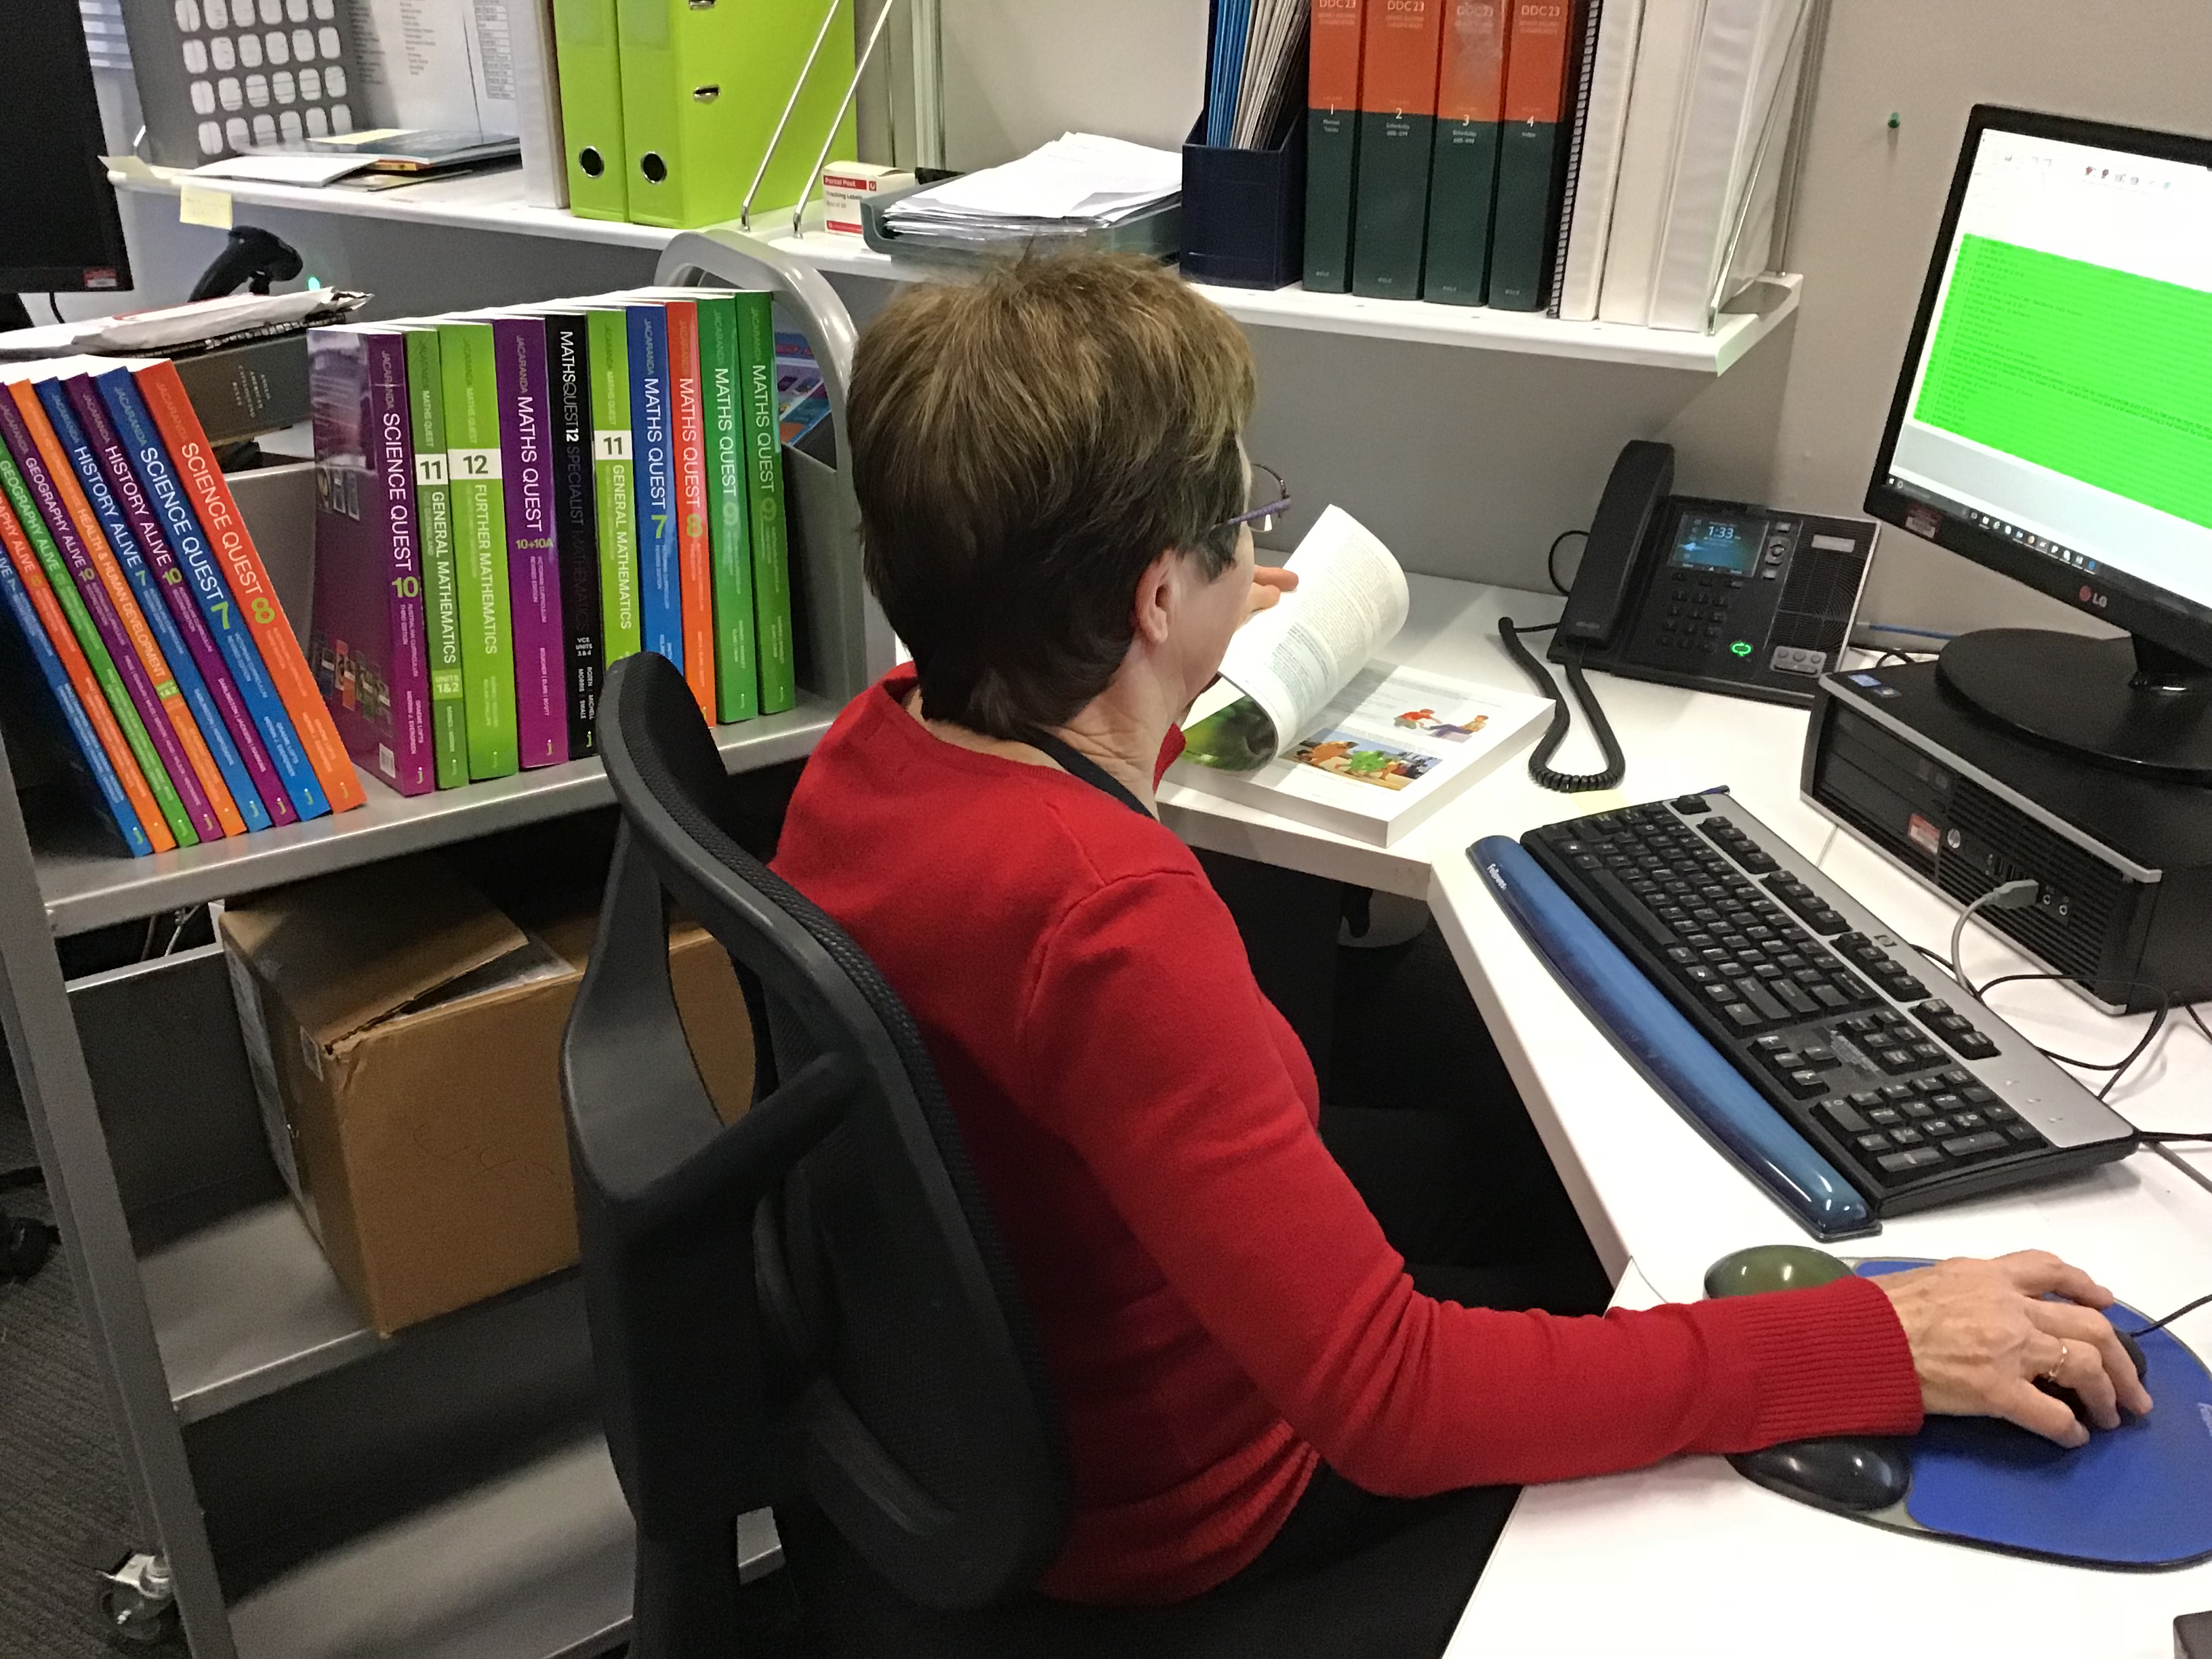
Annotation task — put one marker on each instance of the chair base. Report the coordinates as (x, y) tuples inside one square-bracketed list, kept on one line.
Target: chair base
[(1399, 1599)]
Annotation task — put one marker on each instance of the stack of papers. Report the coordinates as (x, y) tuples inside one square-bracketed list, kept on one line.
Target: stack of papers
[(1078, 182), (1259, 55)]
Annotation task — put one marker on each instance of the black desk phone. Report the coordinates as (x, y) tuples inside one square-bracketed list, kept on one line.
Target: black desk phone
[(1722, 596), (1718, 596)]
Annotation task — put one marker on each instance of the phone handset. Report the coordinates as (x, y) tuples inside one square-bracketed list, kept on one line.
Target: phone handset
[(1642, 478)]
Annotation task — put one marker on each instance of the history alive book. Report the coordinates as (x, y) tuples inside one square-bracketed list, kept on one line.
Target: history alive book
[(1309, 722)]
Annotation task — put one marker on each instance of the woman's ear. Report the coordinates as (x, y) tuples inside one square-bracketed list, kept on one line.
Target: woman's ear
[(1153, 606)]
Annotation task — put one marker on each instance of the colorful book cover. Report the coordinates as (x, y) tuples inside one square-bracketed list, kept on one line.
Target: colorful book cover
[(800, 394), (131, 554), (46, 635), (434, 530), (367, 647), (737, 675), (615, 486), (660, 593), (1397, 122), (533, 556), (91, 639), (194, 458), (694, 572), (160, 583), (1463, 171), (1531, 153), (575, 518), (764, 499), (83, 541), (211, 594), (468, 362), (1332, 141)]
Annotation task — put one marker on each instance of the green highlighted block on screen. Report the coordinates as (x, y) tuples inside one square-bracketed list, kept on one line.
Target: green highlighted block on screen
[(2100, 375)]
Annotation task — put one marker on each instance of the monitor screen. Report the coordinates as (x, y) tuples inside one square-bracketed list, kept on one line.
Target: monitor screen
[(2056, 411), (58, 226)]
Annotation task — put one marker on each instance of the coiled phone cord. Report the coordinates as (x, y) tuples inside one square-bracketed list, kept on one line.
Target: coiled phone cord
[(1562, 719)]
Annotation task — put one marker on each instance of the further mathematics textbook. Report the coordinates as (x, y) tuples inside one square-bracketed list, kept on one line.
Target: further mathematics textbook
[(468, 364)]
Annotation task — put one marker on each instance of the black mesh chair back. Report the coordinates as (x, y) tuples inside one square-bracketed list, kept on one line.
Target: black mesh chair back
[(813, 1297)]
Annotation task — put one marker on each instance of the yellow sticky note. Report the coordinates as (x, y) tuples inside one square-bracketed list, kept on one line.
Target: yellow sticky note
[(199, 205)]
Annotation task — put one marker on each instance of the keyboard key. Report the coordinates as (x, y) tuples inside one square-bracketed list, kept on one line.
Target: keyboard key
[(1938, 1127), (1974, 1046), (1794, 997), (1720, 991), (1999, 1112), (1908, 1136), (1884, 1117), (1970, 1145), (1829, 997), (1744, 1015), (1917, 1110), (1897, 1061), (1818, 1054), (1897, 1092), (1865, 1097), (1759, 997), (1958, 1078), (2022, 1133), (1872, 1142), (1906, 1161), (1945, 1102), (1845, 1116), (1969, 1120), (1974, 1095), (1805, 1083)]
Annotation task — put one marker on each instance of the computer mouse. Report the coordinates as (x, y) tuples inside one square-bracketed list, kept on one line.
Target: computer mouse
[(1772, 1267), (2072, 1401), (1852, 1474)]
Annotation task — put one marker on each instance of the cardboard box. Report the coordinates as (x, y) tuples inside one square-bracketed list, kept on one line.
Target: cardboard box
[(405, 1037)]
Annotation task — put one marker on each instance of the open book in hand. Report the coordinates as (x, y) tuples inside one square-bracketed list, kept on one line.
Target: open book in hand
[(1306, 722)]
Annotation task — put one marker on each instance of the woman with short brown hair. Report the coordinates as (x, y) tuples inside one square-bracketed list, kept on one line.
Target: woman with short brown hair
[(1056, 506)]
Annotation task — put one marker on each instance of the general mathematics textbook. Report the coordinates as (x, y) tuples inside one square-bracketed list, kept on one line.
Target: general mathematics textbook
[(1307, 723)]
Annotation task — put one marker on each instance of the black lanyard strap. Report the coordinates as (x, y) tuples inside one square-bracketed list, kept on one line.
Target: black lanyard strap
[(1080, 765)]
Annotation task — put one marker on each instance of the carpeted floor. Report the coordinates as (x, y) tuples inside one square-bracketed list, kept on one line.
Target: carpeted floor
[(62, 1501)]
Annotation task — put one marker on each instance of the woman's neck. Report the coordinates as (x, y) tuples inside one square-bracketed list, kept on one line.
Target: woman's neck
[(1121, 733)]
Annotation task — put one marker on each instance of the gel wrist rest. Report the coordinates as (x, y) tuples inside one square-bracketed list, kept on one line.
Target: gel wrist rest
[(1693, 1076)]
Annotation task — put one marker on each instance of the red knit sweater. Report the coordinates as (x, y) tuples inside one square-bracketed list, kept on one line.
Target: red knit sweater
[(1217, 1307)]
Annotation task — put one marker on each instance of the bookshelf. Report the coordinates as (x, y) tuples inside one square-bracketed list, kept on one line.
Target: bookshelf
[(493, 202), (315, 1489)]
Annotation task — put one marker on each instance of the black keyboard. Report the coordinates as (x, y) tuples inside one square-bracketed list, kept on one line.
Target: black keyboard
[(1917, 1093)]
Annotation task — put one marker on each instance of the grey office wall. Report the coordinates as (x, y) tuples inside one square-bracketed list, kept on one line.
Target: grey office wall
[(1469, 462)]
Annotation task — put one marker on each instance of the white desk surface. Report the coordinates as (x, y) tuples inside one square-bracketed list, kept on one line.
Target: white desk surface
[(1689, 1558)]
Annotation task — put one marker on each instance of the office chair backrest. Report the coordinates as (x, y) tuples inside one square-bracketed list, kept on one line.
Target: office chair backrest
[(819, 1284)]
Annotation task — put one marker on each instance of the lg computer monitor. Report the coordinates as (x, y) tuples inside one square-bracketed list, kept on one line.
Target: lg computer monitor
[(58, 226), (2053, 421)]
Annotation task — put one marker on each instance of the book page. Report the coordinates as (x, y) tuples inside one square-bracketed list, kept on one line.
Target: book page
[(1398, 732), (1350, 600)]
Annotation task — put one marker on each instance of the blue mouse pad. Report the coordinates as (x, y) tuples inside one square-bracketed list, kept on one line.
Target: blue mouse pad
[(2139, 1496)]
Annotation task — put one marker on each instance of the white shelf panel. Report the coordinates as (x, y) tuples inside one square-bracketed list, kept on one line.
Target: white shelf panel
[(91, 886), (493, 201)]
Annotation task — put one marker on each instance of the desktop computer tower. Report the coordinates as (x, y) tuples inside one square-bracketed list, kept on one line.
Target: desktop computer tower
[(2124, 860)]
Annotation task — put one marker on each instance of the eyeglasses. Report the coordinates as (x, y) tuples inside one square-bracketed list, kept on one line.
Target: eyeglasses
[(1266, 484)]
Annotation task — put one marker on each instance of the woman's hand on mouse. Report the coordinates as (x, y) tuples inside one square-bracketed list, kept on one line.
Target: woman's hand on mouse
[(1269, 583), (1982, 1334)]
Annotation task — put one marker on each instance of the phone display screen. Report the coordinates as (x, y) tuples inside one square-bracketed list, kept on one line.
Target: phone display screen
[(1724, 542)]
